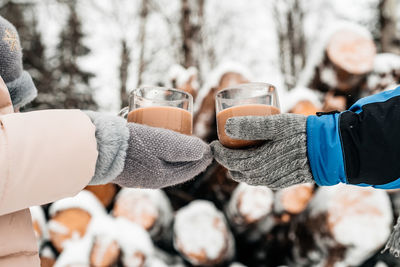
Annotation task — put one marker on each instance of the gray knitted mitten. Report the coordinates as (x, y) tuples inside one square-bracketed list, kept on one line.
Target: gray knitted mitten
[(158, 158), (134, 155), (280, 162)]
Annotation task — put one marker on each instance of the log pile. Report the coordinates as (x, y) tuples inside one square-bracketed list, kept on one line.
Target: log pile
[(214, 221)]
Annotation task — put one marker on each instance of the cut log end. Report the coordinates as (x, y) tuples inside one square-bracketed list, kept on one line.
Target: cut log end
[(104, 253), (67, 223), (351, 52), (304, 107)]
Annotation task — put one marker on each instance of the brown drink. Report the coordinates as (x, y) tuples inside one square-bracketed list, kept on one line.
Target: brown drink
[(175, 119), (238, 111)]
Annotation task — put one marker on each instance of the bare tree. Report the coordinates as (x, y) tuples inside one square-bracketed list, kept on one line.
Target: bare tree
[(192, 20), (123, 72), (289, 19), (144, 10), (390, 38)]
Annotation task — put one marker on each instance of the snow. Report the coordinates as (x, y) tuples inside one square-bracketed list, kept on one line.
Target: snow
[(381, 75), (161, 207), (317, 50), (236, 264), (252, 202), (381, 264), (75, 252), (132, 238), (47, 252), (37, 215), (57, 227), (84, 200), (182, 75), (349, 208), (197, 231), (386, 62), (105, 229), (298, 94)]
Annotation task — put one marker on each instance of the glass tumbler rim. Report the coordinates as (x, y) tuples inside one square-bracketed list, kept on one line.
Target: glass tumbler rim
[(189, 97), (242, 86)]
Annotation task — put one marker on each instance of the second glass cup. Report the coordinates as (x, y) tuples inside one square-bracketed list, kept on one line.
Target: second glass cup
[(250, 99), (161, 107)]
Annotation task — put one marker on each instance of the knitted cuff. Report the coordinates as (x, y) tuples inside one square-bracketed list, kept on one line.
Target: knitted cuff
[(22, 90), (112, 136)]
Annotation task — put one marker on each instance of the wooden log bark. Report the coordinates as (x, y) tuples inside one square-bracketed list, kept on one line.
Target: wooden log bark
[(343, 225), (105, 193)]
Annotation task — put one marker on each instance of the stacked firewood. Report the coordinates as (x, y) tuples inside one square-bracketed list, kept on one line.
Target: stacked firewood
[(214, 221)]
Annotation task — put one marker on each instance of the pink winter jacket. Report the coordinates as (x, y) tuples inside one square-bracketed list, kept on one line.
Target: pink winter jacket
[(44, 156)]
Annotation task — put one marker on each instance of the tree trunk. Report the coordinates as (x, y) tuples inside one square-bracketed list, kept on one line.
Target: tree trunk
[(390, 39), (144, 10), (191, 22), (292, 43), (123, 73)]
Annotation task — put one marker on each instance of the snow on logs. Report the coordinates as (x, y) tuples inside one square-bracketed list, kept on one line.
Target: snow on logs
[(342, 226), (107, 239), (250, 209), (348, 56), (70, 217), (150, 209), (385, 74), (201, 234), (184, 79)]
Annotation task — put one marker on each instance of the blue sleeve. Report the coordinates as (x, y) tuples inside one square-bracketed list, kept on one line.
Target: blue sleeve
[(324, 149), (360, 146)]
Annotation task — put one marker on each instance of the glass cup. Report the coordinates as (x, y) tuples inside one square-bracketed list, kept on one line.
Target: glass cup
[(250, 99), (161, 107)]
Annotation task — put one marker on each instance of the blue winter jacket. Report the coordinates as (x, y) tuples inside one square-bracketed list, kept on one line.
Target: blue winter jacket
[(359, 146)]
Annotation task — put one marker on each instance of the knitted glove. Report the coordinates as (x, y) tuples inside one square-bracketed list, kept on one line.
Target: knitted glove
[(280, 162), (134, 155)]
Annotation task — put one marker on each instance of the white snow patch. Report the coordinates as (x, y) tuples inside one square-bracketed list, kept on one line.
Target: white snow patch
[(37, 215), (161, 207), (317, 51), (132, 238), (298, 94), (236, 264), (76, 252), (182, 75), (197, 231), (255, 201), (384, 63), (47, 252), (381, 264), (349, 208), (84, 200), (57, 227)]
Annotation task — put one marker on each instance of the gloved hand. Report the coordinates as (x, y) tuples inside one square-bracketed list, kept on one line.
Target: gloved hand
[(134, 155), (360, 146), (280, 162)]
